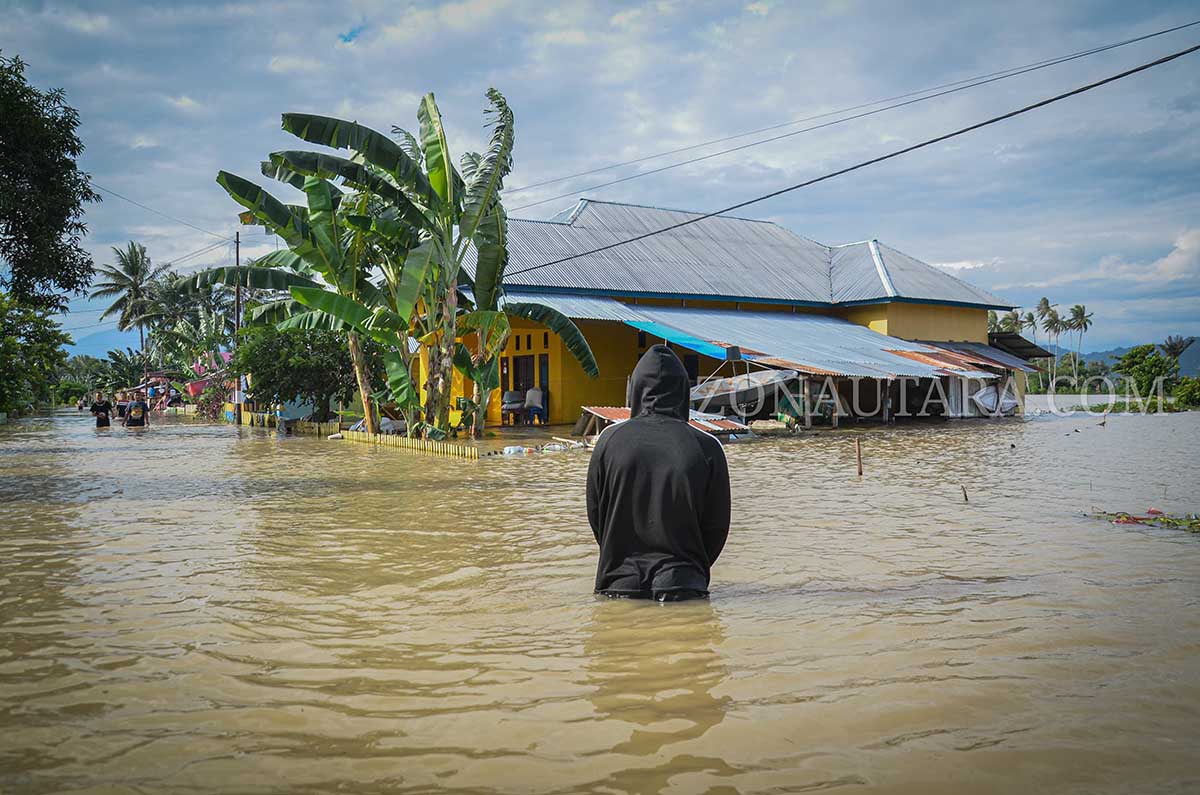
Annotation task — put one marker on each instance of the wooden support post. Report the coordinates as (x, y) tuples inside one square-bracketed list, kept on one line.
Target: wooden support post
[(836, 403), (807, 404), (858, 453)]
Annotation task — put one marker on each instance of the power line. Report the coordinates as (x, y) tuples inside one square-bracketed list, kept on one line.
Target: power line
[(962, 131), (159, 212), (177, 260), (960, 86)]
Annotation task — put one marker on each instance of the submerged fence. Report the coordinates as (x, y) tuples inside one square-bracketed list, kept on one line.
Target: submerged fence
[(447, 449), (325, 429)]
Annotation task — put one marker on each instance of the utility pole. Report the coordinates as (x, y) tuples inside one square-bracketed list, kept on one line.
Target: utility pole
[(237, 322), (237, 295)]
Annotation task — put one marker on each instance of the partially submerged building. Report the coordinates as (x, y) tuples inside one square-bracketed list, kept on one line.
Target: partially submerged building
[(872, 332)]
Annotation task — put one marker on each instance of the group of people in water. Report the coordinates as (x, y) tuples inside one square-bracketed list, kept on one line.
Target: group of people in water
[(132, 411)]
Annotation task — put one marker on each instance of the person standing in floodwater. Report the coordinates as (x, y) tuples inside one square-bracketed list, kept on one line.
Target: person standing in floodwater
[(658, 491), (101, 410), (137, 413)]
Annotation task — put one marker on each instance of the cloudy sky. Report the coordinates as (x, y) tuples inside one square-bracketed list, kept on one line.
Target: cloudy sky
[(1093, 200)]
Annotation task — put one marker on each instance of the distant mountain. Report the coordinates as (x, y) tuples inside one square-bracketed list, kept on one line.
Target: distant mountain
[(1189, 363), (99, 343)]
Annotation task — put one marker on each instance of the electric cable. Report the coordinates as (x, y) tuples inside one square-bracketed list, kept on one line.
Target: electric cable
[(897, 153)]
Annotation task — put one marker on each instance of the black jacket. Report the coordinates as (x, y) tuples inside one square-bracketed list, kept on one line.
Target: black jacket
[(657, 489)]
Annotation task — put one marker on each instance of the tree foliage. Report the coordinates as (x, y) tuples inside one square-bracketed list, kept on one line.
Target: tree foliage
[(31, 353), (1144, 365), (42, 191), (311, 366)]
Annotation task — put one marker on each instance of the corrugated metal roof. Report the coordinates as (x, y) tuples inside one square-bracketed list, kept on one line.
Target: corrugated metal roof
[(811, 343), (854, 275), (717, 257), (702, 421), (988, 355), (577, 307), (914, 279), (723, 257)]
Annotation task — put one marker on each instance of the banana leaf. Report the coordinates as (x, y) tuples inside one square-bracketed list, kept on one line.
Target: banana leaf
[(437, 153), (376, 148), (253, 276), (400, 384), (561, 325), (356, 175)]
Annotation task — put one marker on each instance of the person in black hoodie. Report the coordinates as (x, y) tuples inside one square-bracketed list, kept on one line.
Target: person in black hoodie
[(658, 491)]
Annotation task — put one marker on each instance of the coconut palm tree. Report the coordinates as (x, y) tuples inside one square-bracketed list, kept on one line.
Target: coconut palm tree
[(1053, 325), (1043, 308), (122, 369), (1174, 347), (129, 281), (993, 321), (1080, 322)]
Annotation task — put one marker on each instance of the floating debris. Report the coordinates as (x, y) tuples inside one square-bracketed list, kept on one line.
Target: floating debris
[(1153, 518)]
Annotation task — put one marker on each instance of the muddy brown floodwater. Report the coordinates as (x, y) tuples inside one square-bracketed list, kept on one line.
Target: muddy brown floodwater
[(206, 609)]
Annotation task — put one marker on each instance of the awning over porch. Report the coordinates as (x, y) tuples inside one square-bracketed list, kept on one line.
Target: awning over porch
[(810, 343), (813, 344)]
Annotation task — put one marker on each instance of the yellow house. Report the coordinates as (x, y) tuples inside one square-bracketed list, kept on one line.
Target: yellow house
[(733, 293)]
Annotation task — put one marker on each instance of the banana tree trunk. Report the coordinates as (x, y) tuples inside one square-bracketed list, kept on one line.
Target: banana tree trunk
[(441, 365), (364, 382)]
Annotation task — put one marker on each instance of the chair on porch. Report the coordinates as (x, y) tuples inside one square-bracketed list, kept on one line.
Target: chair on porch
[(512, 404), (535, 406)]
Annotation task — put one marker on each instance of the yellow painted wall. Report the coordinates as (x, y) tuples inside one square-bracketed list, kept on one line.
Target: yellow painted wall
[(935, 322), (921, 321), (873, 316)]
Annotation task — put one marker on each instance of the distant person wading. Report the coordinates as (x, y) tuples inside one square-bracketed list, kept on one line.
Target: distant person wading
[(102, 410), (137, 413), (658, 491)]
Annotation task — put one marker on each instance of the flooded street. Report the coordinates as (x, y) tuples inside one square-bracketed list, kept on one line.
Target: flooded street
[(205, 609)]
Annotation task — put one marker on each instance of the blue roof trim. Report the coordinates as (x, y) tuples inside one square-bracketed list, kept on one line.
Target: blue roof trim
[(679, 338), (591, 291), (934, 301)]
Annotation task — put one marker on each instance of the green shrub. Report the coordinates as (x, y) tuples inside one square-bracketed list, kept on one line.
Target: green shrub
[(1187, 393)]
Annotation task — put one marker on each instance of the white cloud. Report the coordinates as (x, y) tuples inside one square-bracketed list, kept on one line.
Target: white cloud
[(1181, 262), (289, 64), (759, 9), (964, 265), (83, 22), (143, 142), (185, 103), (427, 24), (570, 36)]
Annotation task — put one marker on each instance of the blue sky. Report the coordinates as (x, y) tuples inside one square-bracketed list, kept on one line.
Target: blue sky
[(1093, 200)]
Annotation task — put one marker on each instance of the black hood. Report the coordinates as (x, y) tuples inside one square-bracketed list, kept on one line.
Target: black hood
[(659, 385)]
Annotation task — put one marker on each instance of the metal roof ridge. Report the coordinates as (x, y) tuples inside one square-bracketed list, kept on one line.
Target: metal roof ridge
[(676, 210), (952, 276), (881, 268)]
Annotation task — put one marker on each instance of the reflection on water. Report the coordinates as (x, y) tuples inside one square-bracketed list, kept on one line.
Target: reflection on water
[(211, 609)]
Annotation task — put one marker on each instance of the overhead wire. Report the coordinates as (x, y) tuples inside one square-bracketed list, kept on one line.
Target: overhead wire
[(959, 86), (159, 212), (897, 153)]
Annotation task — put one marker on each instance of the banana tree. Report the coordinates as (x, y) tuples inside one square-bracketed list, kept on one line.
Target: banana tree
[(489, 319), (327, 258), (427, 192)]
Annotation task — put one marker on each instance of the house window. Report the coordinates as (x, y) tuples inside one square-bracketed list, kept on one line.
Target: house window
[(545, 339), (543, 370), (528, 342), (517, 337), (641, 339)]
